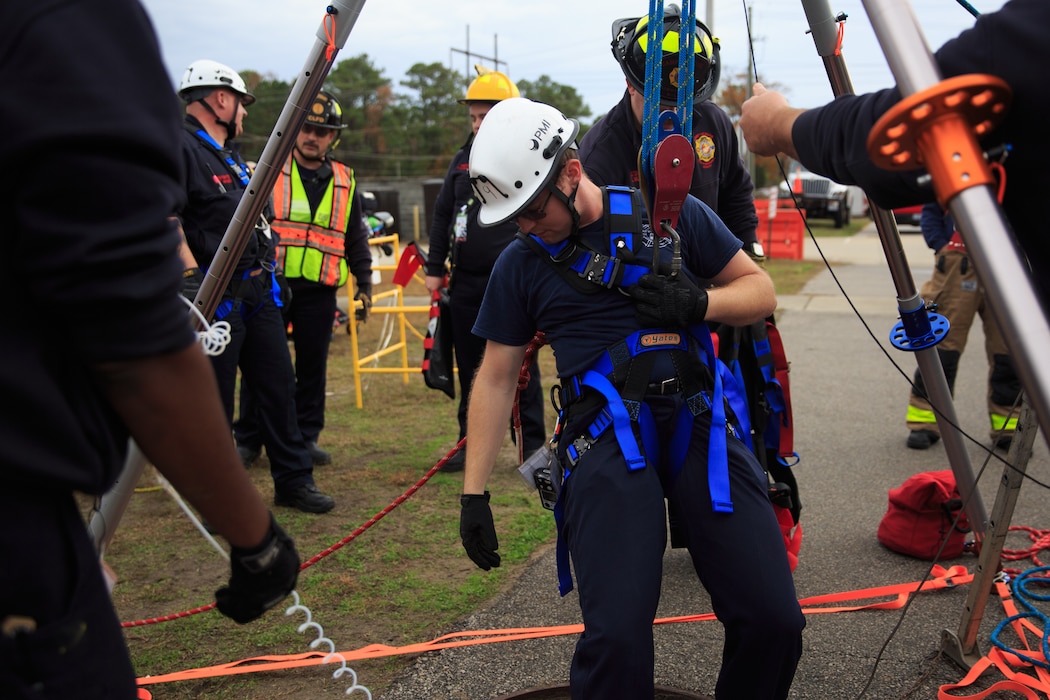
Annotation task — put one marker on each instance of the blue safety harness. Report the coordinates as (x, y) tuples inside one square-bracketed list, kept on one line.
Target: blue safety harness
[(620, 379)]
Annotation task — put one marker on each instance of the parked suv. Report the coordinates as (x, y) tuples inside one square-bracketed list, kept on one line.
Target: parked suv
[(820, 197)]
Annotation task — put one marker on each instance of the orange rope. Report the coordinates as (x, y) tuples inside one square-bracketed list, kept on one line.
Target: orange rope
[(329, 34), (940, 578)]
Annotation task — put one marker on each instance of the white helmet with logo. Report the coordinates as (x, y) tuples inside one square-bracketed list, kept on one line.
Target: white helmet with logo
[(203, 76), (516, 154)]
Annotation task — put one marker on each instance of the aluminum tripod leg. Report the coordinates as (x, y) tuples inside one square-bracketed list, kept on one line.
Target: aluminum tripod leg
[(114, 502), (961, 646), (824, 29)]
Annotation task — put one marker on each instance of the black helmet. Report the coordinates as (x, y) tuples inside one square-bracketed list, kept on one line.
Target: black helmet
[(325, 112), (630, 36)]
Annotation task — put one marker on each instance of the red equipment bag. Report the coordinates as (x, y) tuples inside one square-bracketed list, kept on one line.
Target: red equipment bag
[(920, 516)]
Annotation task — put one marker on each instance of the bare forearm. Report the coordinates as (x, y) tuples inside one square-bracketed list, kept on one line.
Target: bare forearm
[(748, 296), (491, 400), (171, 406)]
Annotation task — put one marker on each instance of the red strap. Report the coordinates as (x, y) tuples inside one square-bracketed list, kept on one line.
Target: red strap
[(781, 368)]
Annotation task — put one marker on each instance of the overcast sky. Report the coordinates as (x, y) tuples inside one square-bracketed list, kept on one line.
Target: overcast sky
[(566, 40)]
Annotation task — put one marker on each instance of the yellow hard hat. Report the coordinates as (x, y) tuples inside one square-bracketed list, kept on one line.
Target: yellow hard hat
[(490, 86)]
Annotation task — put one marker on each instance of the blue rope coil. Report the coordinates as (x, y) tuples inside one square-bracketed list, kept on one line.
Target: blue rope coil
[(1025, 596)]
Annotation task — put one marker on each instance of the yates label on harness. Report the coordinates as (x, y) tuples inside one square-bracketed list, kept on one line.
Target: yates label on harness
[(660, 340)]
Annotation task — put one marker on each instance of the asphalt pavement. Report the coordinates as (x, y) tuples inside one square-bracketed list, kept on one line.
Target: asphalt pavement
[(849, 397)]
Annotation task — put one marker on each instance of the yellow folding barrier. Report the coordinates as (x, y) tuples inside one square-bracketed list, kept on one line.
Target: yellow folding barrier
[(369, 364)]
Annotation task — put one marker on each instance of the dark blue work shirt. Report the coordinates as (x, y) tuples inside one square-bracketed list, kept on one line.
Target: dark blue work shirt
[(213, 191)]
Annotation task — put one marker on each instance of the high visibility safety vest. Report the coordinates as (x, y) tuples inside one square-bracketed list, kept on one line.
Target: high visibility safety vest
[(313, 248)]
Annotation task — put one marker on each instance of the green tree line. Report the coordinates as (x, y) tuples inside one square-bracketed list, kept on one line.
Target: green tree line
[(414, 128), (411, 129)]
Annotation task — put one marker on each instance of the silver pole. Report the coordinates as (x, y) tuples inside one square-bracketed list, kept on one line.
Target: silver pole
[(824, 29), (340, 18)]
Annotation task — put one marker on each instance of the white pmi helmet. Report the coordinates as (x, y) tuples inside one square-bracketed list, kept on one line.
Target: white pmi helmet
[(203, 76), (516, 154)]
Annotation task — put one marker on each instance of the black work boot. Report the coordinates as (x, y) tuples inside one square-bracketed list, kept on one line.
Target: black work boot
[(922, 439), (248, 454), (318, 456), (307, 498)]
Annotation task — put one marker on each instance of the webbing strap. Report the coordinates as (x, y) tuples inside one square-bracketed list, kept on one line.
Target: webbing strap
[(717, 451), (781, 434)]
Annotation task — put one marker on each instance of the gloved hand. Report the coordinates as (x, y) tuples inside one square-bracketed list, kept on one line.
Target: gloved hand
[(477, 531), (260, 578), (364, 295), (661, 301), (192, 279)]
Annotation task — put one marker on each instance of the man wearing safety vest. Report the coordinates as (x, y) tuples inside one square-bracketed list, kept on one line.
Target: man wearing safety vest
[(456, 237), (319, 222), (216, 176)]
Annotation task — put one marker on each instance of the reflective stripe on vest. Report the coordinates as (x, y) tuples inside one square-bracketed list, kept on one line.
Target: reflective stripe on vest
[(313, 249)]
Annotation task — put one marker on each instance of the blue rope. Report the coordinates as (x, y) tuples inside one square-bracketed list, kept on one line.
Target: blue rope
[(1023, 595), (653, 61), (686, 54)]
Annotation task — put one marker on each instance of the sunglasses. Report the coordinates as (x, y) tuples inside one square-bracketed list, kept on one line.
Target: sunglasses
[(537, 214)]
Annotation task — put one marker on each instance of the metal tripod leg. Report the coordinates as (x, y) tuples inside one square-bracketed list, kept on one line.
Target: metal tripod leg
[(961, 646), (113, 503)]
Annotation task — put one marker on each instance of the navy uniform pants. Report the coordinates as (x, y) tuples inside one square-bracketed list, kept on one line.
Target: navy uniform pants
[(259, 346), (51, 577), (466, 291), (614, 522), (311, 313)]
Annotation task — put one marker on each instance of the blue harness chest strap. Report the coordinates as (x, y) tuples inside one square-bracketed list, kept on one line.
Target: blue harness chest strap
[(236, 168)]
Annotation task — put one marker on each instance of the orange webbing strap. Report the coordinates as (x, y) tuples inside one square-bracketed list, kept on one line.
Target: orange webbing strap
[(1006, 662), (940, 578), (537, 342)]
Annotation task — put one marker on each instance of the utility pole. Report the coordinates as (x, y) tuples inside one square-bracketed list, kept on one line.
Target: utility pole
[(469, 56)]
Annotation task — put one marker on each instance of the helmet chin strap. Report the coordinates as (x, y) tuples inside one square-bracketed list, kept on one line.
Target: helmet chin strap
[(231, 129), (570, 203)]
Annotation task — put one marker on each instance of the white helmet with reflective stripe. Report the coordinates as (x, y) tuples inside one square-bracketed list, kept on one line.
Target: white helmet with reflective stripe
[(516, 154), (203, 76)]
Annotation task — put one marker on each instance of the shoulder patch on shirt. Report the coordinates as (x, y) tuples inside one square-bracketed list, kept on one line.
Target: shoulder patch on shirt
[(705, 148)]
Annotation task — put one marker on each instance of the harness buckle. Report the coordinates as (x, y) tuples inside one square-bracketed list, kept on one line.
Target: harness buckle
[(602, 270)]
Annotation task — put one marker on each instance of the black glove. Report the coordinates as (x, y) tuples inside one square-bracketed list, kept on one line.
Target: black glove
[(260, 578), (192, 279), (364, 295), (477, 531), (661, 301)]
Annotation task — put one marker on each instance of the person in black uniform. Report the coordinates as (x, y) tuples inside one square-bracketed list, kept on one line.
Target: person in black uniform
[(832, 139), (216, 100), (323, 239), (609, 149), (456, 236), (101, 255), (609, 153)]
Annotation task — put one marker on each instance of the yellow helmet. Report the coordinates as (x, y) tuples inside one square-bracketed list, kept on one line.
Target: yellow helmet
[(490, 86)]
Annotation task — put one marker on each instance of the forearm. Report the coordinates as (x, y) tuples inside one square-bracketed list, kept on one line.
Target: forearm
[(491, 400), (747, 298), (171, 406)]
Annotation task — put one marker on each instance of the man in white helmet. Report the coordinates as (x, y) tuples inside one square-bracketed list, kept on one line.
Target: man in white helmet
[(644, 411), (216, 176), (459, 243)]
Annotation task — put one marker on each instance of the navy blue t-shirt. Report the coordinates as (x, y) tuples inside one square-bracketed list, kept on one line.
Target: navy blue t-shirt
[(526, 294)]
